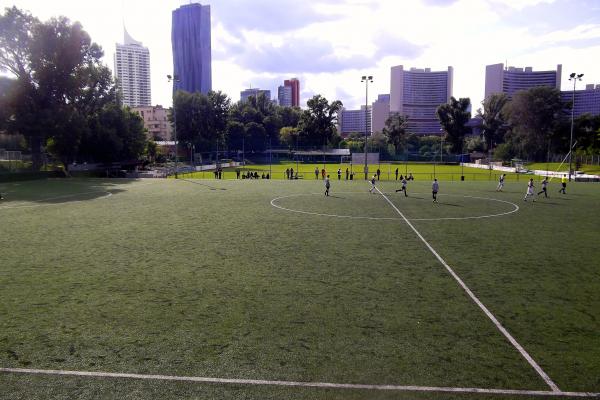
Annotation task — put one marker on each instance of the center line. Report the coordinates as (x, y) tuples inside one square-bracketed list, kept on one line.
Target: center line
[(487, 312)]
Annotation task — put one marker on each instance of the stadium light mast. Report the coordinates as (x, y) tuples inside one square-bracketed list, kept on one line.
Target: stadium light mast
[(366, 80), (573, 77), (174, 79)]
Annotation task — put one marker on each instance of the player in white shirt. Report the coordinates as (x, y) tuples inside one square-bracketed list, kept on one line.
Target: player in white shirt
[(500, 183), (373, 180), (327, 185), (530, 190), (544, 187), (435, 188), (403, 188)]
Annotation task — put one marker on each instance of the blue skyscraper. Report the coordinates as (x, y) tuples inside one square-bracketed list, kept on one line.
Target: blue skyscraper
[(190, 38)]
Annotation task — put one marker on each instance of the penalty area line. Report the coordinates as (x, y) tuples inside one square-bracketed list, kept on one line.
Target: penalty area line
[(487, 312), (319, 385)]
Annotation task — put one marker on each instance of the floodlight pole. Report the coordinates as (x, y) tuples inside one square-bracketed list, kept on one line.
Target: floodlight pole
[(573, 77), (366, 80), (174, 78)]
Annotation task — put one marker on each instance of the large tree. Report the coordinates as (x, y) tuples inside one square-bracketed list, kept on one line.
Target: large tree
[(61, 80), (317, 124), (535, 116), (395, 131), (201, 119), (494, 119), (453, 117)]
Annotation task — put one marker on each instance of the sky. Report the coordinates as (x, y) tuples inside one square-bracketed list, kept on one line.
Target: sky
[(330, 44)]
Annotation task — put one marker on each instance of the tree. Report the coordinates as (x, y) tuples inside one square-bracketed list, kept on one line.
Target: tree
[(535, 115), (202, 119), (494, 118), (113, 134), (288, 136), (395, 131), (317, 123), (6, 87), (60, 81), (453, 117)]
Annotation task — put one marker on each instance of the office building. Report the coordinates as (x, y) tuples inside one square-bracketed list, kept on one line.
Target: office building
[(191, 41), (417, 93), (245, 94), (156, 122), (294, 83), (510, 80), (586, 101), (132, 72), (380, 111), (284, 96), (353, 121)]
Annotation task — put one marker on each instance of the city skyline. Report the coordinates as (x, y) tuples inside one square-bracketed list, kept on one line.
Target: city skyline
[(261, 45)]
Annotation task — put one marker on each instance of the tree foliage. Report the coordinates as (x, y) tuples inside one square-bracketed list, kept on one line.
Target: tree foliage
[(535, 116), (495, 121), (317, 123), (395, 131), (453, 117), (60, 81), (201, 119)]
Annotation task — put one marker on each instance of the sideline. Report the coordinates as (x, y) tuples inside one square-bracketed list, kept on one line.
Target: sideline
[(322, 385)]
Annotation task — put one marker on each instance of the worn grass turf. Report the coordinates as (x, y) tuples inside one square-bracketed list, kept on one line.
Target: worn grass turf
[(205, 278)]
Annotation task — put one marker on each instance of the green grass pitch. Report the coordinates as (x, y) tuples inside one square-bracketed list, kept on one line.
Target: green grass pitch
[(270, 280)]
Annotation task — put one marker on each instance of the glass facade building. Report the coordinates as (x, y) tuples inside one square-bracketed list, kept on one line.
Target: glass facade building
[(191, 41), (586, 101), (417, 93), (510, 80)]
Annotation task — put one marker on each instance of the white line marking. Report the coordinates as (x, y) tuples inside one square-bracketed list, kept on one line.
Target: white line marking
[(514, 210), (325, 385), (487, 312)]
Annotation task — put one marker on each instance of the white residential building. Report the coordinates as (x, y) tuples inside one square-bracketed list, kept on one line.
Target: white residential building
[(132, 72)]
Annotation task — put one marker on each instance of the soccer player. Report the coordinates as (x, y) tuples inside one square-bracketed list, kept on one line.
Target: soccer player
[(403, 188), (435, 188), (327, 185), (563, 182), (316, 172), (339, 174), (530, 189), (544, 187), (500, 183), (373, 180)]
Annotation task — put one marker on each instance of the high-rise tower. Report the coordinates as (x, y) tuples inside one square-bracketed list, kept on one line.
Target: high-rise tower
[(132, 72), (294, 83), (190, 38), (417, 93)]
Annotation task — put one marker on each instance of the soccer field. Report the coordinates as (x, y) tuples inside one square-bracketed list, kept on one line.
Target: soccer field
[(269, 290)]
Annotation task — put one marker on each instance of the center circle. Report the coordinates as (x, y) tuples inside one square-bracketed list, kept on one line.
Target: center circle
[(360, 205)]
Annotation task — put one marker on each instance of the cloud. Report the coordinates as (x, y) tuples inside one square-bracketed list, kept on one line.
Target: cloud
[(268, 15), (439, 3), (302, 55), (388, 45)]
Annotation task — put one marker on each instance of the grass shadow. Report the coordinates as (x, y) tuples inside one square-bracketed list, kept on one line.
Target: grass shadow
[(59, 190)]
